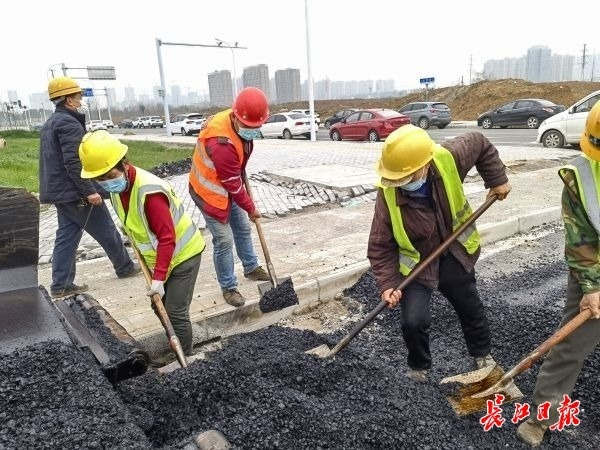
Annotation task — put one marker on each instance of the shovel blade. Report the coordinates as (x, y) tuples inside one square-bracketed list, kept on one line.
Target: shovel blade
[(322, 351), (463, 402), (265, 287)]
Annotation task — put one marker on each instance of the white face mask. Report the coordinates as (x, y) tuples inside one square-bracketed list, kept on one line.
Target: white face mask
[(82, 108)]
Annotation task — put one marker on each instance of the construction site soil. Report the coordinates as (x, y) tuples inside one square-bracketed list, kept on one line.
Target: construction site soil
[(263, 392)]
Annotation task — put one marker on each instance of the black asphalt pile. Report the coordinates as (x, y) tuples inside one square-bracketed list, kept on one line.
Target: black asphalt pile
[(278, 298), (169, 169), (53, 396), (116, 349), (262, 391)]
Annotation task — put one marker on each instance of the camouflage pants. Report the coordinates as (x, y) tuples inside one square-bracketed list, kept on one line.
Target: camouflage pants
[(561, 367)]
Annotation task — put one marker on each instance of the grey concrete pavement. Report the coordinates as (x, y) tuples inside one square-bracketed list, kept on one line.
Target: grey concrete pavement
[(319, 243)]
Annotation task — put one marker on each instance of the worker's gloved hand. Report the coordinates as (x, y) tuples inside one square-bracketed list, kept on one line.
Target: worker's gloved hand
[(591, 302), (391, 297), (254, 215), (157, 287), (94, 199), (501, 191)]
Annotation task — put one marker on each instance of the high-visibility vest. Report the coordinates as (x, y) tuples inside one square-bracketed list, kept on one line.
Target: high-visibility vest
[(203, 176), (587, 175), (189, 241), (460, 211)]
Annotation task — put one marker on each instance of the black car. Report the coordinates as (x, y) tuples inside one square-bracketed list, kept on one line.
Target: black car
[(529, 112), (338, 116), (126, 123)]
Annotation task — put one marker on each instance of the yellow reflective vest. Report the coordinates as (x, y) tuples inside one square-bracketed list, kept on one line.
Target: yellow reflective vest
[(460, 210), (189, 240)]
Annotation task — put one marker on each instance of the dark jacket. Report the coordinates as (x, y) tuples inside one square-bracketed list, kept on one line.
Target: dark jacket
[(427, 221), (60, 167)]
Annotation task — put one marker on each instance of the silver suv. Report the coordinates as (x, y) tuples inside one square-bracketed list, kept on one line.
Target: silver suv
[(426, 114)]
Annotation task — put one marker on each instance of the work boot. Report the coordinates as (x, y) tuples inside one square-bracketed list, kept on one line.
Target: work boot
[(418, 375), (233, 297), (258, 274), (71, 290), (484, 361), (135, 269), (531, 432)]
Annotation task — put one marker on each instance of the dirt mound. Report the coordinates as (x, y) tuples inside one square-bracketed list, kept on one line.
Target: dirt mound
[(466, 102)]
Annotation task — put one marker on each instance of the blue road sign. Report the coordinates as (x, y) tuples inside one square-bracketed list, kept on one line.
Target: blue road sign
[(87, 92), (427, 80)]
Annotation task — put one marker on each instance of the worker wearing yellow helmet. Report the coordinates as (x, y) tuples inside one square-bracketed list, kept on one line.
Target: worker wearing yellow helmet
[(420, 202), (155, 220), (79, 205), (581, 217)]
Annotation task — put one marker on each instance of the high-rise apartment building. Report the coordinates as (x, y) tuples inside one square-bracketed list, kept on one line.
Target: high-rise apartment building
[(287, 85), (257, 76), (538, 67), (220, 88), (130, 96), (176, 97)]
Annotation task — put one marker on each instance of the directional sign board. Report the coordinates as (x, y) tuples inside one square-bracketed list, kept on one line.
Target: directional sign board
[(87, 92), (101, 73), (427, 80)]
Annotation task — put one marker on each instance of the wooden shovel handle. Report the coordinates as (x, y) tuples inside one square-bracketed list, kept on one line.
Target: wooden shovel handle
[(545, 346)]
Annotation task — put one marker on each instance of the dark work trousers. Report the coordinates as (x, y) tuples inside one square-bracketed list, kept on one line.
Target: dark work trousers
[(179, 292), (459, 288), (72, 218), (561, 368)]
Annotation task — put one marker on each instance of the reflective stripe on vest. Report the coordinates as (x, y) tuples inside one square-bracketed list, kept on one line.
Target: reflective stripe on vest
[(203, 176), (460, 210), (587, 176), (188, 240)]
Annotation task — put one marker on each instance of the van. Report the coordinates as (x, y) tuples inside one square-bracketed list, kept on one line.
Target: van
[(567, 127)]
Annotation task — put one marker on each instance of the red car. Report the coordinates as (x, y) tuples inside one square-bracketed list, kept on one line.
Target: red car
[(368, 125)]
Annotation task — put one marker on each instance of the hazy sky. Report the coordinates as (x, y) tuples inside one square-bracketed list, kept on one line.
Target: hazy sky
[(350, 39)]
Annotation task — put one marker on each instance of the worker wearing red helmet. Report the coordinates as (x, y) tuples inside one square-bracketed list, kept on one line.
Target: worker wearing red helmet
[(216, 186)]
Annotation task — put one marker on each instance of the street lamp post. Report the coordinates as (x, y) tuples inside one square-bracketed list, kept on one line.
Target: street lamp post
[(221, 42)]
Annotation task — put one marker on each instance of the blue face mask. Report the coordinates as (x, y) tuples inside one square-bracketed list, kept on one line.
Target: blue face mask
[(114, 185), (414, 185), (249, 134)]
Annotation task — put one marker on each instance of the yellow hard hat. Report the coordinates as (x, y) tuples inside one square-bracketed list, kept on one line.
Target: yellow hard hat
[(61, 86), (590, 139), (99, 152), (404, 152)]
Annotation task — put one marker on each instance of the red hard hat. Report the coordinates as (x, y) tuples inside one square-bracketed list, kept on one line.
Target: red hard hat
[(251, 107)]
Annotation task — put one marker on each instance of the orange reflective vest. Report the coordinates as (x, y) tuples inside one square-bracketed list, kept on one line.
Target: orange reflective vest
[(203, 176)]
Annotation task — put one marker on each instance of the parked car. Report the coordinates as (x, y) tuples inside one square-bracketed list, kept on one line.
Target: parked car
[(567, 127), (528, 112), (138, 122), (338, 116), (152, 122), (426, 114), (125, 123), (286, 125), (94, 125), (368, 124), (109, 123), (187, 124), (306, 112)]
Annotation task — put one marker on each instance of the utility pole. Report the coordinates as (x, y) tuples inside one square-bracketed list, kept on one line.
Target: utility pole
[(470, 68), (583, 63)]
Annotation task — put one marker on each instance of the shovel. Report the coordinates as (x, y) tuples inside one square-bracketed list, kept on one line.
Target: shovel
[(264, 288), (323, 351), (480, 385), (161, 311)]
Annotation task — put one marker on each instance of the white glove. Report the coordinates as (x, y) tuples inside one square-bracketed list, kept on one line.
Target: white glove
[(157, 287)]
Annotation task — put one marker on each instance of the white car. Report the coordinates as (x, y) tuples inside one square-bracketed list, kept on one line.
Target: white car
[(306, 112), (567, 127), (108, 123), (187, 124), (95, 125), (138, 122), (152, 122), (286, 126)]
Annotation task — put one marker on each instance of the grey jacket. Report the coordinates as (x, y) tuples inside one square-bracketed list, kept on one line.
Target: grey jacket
[(60, 167)]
